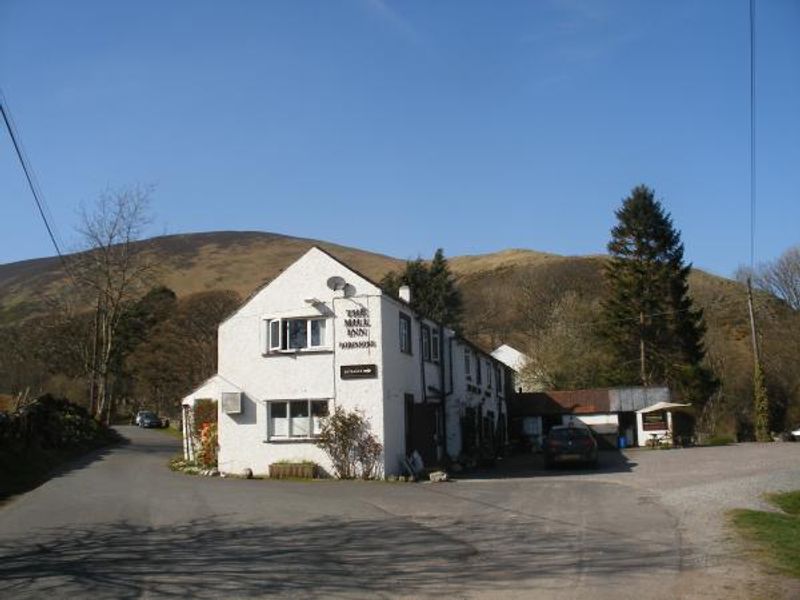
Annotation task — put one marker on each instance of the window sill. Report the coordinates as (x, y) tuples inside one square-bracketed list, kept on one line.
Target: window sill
[(291, 440), (320, 350)]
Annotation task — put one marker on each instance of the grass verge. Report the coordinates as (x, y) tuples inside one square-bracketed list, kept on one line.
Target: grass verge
[(172, 432), (776, 535)]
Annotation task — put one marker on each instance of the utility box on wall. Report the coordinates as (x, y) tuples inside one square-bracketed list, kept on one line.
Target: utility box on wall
[(232, 403)]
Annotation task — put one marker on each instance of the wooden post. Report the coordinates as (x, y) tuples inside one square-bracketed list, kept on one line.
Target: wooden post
[(642, 366)]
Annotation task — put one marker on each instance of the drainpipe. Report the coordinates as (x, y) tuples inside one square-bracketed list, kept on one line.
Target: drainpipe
[(445, 454), (422, 364)]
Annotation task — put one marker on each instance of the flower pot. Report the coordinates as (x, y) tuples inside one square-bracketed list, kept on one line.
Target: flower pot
[(292, 471)]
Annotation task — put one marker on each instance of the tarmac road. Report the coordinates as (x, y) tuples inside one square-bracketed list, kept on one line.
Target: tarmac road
[(124, 526)]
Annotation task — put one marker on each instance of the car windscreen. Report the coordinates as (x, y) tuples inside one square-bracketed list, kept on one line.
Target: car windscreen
[(569, 434)]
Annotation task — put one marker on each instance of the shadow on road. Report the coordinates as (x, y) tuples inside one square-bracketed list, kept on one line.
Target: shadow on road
[(10, 490), (323, 557)]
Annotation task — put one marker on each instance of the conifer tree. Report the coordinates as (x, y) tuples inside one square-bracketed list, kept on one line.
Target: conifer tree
[(433, 290), (649, 317)]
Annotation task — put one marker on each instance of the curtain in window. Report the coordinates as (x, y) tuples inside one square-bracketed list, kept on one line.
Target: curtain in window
[(299, 419), (279, 425)]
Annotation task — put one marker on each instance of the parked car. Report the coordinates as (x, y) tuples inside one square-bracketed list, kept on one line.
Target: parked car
[(796, 433), (570, 444), (150, 419), (137, 420)]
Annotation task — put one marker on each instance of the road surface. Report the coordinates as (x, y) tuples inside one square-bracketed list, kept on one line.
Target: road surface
[(646, 525)]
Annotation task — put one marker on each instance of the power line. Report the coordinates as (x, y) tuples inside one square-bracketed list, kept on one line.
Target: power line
[(40, 203), (752, 134)]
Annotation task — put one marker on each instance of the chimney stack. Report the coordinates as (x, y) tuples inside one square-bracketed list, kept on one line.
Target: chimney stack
[(405, 293)]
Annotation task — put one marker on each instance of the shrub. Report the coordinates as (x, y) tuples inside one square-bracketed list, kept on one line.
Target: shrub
[(347, 440), (205, 411), (204, 432), (207, 453)]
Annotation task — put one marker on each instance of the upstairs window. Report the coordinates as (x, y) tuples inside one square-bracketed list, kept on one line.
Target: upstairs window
[(291, 335), (435, 345), (478, 373), (426, 342), (499, 376), (405, 333), (488, 374), (468, 363)]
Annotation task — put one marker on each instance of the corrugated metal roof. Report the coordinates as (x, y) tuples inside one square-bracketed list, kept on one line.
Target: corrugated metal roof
[(587, 401)]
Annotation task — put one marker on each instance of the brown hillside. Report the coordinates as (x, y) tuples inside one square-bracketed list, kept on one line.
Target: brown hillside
[(506, 293)]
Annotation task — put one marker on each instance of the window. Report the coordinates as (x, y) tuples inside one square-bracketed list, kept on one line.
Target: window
[(426, 342), (290, 335), (317, 333), (499, 376), (405, 333), (488, 374), (478, 374), (468, 363), (274, 335), (278, 423), (435, 345), (296, 418), (296, 331), (319, 410), (655, 421)]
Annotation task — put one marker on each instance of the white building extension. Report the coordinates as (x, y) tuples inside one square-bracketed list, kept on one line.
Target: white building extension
[(322, 335), (516, 361)]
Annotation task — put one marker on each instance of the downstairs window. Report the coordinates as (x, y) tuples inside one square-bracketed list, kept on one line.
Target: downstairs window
[(298, 419)]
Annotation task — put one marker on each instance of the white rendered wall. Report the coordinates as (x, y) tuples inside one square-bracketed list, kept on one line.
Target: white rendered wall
[(302, 291), (303, 375), (364, 395)]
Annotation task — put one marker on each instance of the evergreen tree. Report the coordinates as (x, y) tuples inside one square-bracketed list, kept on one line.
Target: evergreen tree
[(649, 317), (433, 290)]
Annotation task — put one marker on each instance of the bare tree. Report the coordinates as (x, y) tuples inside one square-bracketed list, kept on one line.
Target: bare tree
[(567, 352), (781, 277), (112, 270)]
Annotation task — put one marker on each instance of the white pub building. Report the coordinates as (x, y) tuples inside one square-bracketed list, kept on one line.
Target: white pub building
[(320, 335)]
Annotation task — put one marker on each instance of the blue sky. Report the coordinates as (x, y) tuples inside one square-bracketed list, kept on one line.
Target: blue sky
[(399, 127)]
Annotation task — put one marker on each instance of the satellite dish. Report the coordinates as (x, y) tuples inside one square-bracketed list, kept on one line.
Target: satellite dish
[(336, 283), (349, 290)]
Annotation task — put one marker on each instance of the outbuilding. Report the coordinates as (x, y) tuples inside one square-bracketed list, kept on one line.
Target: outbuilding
[(631, 416), (322, 335)]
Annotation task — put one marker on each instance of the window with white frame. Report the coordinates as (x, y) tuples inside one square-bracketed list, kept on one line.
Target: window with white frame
[(405, 333), (488, 374), (291, 335), (296, 418), (435, 345), (426, 342), (468, 363)]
